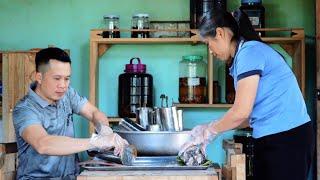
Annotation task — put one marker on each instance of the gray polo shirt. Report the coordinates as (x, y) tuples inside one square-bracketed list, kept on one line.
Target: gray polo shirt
[(56, 119)]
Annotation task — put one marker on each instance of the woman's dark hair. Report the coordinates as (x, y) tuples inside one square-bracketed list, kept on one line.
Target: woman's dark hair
[(239, 24), (43, 56)]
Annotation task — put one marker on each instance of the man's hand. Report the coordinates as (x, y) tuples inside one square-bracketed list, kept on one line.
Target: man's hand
[(106, 142), (103, 129)]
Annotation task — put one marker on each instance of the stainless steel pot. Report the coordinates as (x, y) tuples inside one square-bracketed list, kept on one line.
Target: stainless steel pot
[(162, 143)]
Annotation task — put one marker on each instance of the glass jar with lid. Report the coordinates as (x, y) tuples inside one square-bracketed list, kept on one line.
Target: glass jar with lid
[(140, 22), (192, 80), (111, 23)]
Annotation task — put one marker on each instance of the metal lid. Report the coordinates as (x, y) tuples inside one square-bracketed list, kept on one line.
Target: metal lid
[(141, 15), (135, 68), (192, 57), (111, 16), (251, 1)]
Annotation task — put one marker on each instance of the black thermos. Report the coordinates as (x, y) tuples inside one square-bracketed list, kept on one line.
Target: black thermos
[(198, 8), (135, 89)]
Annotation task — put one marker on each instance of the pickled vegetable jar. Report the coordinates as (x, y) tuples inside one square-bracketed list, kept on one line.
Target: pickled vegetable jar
[(192, 80)]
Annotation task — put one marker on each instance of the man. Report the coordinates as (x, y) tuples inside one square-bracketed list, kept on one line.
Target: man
[(44, 125)]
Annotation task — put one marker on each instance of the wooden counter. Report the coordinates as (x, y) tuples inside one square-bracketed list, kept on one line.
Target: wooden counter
[(212, 173)]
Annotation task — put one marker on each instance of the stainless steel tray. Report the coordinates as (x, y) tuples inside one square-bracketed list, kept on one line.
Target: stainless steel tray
[(144, 168), (146, 163)]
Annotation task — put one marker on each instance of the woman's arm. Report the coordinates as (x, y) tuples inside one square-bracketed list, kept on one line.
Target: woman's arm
[(242, 107)]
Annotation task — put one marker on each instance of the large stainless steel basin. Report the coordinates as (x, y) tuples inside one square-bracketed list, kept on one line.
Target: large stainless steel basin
[(160, 143)]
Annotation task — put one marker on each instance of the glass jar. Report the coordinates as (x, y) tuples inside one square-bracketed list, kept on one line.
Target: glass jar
[(230, 90), (111, 23), (192, 80), (140, 21)]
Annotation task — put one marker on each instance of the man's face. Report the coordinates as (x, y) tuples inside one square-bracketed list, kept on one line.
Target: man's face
[(54, 83)]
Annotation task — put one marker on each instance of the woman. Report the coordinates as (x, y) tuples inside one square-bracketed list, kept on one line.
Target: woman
[(267, 97)]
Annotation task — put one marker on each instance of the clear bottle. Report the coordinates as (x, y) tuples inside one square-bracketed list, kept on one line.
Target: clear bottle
[(140, 21), (192, 80), (111, 23)]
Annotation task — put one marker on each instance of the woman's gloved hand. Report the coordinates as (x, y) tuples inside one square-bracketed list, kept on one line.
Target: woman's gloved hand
[(106, 142), (119, 145), (201, 135)]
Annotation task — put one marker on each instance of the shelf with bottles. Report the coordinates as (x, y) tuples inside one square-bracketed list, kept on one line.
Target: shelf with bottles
[(290, 40), (96, 35)]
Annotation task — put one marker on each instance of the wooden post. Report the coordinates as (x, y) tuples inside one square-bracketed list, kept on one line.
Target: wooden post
[(318, 83)]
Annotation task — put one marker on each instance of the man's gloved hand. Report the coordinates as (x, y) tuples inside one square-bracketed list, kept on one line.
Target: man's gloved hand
[(200, 135), (103, 129), (106, 142)]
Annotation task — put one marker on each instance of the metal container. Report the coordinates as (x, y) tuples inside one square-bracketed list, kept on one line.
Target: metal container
[(162, 143), (153, 127), (143, 116), (167, 119)]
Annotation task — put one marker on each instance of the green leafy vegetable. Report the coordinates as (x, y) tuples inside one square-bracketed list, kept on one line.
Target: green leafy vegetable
[(207, 163)]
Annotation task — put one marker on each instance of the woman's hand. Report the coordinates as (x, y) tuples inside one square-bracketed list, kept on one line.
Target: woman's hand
[(201, 135)]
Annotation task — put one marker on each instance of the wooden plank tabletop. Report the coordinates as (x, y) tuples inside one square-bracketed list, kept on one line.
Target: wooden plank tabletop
[(209, 173)]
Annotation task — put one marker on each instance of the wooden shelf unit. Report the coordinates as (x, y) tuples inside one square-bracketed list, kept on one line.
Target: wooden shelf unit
[(293, 44)]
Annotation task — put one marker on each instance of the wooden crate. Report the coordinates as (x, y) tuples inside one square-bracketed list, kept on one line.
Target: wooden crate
[(8, 161), (235, 167)]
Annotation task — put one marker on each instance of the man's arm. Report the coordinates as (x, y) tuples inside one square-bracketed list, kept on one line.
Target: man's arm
[(47, 144), (93, 114)]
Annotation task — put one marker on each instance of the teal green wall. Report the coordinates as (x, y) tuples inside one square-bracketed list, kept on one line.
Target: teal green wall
[(29, 24)]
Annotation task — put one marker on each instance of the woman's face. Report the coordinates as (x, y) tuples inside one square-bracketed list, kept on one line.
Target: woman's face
[(220, 46)]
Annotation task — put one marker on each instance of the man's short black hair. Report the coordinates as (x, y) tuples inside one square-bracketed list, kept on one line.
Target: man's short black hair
[(43, 56)]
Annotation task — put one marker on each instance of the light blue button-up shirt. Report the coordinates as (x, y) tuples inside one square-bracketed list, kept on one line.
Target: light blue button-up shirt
[(56, 119)]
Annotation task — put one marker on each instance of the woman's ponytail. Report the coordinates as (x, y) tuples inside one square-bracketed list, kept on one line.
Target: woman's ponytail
[(245, 27)]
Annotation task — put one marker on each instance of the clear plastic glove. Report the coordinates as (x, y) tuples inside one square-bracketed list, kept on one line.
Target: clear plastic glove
[(103, 129), (106, 142), (201, 135), (119, 145)]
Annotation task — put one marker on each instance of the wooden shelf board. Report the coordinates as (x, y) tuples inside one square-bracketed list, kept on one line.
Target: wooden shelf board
[(145, 40), (95, 37), (281, 39), (203, 105)]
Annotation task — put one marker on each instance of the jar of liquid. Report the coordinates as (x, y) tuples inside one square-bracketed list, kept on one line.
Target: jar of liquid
[(111, 23), (192, 80), (216, 92), (135, 89), (140, 22), (230, 90)]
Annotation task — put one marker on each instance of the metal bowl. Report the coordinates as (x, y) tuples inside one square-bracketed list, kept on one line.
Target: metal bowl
[(161, 143)]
